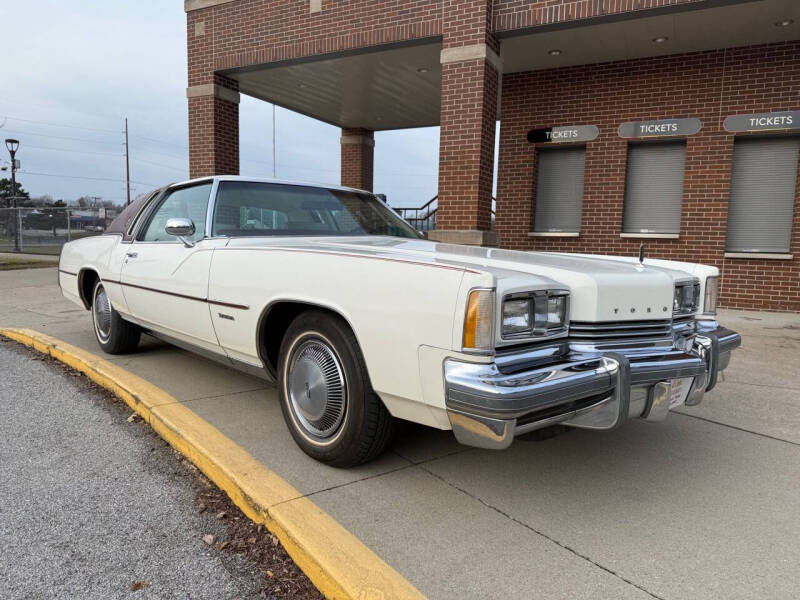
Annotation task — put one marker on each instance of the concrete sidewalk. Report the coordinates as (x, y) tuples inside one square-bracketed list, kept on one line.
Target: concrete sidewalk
[(705, 505)]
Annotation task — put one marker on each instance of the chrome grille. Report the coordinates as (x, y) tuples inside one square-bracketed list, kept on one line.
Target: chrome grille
[(620, 331)]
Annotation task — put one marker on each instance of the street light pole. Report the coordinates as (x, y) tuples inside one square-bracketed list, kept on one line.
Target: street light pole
[(12, 146)]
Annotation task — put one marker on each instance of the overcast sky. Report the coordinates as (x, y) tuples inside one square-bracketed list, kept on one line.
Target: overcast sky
[(72, 72)]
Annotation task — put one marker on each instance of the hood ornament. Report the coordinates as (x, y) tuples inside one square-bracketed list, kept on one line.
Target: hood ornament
[(641, 253)]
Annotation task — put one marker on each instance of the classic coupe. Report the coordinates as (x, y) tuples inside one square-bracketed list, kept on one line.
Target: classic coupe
[(360, 321)]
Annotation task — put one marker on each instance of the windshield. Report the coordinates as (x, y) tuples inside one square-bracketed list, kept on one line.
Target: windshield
[(245, 208)]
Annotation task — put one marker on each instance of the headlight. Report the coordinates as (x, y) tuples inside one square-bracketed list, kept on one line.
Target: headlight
[(478, 321), (686, 298), (531, 314), (712, 295)]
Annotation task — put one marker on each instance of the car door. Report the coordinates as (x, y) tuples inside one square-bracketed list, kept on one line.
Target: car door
[(164, 280)]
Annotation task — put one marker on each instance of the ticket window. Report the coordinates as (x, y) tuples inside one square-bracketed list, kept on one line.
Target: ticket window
[(762, 196), (654, 187), (559, 189)]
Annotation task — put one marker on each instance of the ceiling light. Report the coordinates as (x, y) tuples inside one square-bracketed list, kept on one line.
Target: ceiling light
[(554, 52), (422, 70), (660, 39), (784, 23)]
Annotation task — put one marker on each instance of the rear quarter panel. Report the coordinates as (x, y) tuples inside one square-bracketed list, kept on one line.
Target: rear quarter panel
[(99, 253)]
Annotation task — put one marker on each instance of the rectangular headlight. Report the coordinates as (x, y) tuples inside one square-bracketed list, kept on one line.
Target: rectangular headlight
[(712, 295), (686, 298), (537, 313), (518, 317), (556, 312)]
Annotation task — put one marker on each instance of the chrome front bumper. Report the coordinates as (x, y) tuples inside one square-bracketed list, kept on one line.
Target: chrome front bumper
[(489, 404)]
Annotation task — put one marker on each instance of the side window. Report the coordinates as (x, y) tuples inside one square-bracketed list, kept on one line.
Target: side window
[(190, 203), (244, 208)]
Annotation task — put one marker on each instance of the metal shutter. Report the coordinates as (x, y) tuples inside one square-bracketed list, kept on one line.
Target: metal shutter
[(559, 189), (654, 187), (763, 184)]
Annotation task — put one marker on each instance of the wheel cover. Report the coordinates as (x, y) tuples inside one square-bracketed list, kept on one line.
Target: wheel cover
[(316, 388), (101, 311)]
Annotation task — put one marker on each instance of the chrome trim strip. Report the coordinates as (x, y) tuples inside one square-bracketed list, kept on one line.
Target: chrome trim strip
[(212, 203), (184, 296)]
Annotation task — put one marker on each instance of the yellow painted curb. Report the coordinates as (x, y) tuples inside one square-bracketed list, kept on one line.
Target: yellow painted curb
[(337, 563)]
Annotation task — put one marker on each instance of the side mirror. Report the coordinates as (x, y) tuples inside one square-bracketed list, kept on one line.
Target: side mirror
[(181, 228)]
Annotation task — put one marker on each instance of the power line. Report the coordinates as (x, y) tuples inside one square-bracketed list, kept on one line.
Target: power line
[(175, 156), (61, 137), (155, 164), (87, 178), (70, 150), (60, 125), (149, 139)]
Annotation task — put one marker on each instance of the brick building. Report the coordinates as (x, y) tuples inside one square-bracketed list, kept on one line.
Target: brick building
[(670, 122)]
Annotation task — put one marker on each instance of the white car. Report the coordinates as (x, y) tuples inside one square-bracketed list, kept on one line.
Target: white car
[(359, 320)]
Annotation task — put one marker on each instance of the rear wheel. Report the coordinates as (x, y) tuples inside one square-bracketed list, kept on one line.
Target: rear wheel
[(114, 334), (326, 397)]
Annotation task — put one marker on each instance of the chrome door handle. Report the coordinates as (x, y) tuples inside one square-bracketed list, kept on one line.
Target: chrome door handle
[(131, 254)]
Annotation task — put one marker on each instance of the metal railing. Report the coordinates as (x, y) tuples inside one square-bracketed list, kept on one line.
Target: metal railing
[(423, 218), (44, 230)]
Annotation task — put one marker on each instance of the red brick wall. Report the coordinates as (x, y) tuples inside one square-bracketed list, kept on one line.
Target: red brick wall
[(258, 31), (708, 85), (519, 14), (468, 22), (357, 160)]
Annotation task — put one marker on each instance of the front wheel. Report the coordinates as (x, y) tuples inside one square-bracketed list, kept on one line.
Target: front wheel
[(114, 334), (326, 398)]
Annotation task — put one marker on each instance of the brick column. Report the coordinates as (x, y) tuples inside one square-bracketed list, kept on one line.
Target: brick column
[(358, 149), (214, 128), (471, 69), (213, 99)]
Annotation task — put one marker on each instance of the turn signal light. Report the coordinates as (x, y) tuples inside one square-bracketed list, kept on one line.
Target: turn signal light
[(479, 319)]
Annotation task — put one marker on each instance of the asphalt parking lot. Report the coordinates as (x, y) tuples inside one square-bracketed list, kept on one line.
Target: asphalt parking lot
[(95, 505), (704, 505)]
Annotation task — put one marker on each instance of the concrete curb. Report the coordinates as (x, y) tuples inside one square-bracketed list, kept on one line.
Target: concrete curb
[(337, 563)]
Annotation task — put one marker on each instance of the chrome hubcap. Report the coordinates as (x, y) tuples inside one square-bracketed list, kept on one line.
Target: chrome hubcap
[(102, 314), (316, 388)]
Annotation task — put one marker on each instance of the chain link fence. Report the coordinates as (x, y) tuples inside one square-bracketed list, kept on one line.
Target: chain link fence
[(45, 230)]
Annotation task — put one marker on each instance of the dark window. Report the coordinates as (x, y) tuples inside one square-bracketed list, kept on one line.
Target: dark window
[(246, 208), (763, 189), (559, 189), (654, 187)]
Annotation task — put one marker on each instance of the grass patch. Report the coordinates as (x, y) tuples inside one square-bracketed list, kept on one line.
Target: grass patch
[(10, 264)]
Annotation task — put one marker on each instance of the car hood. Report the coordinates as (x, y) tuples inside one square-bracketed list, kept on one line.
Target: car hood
[(601, 288)]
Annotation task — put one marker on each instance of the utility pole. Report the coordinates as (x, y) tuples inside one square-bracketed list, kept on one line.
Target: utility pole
[(273, 142), (127, 164)]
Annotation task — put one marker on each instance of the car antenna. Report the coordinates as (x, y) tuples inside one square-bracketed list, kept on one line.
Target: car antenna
[(641, 253)]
